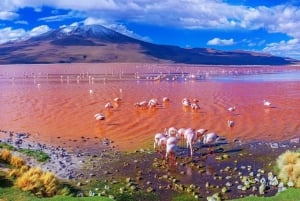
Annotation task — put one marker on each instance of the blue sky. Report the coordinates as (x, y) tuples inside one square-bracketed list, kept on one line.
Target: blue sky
[(270, 26)]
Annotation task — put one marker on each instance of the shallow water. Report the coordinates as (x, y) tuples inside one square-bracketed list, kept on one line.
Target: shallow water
[(52, 101)]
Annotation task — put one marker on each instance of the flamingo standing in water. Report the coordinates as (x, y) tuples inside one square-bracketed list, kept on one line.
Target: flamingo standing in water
[(99, 116), (267, 103), (108, 105), (165, 99), (231, 109), (117, 99), (230, 123), (186, 102)]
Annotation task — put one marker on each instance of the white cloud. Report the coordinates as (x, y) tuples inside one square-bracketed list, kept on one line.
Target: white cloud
[(221, 42), (288, 48), (21, 22), (39, 30), (8, 34), (57, 18), (7, 15)]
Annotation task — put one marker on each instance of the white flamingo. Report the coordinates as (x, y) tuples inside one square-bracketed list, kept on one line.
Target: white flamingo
[(195, 106), (108, 105), (141, 104), (201, 131), (186, 102), (230, 123), (172, 131), (171, 150), (231, 109), (157, 138), (152, 102), (210, 138), (99, 116), (172, 140), (165, 99), (267, 103), (191, 137), (117, 99), (180, 135)]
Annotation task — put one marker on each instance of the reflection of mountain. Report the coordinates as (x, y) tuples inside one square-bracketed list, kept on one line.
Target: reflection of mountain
[(96, 43)]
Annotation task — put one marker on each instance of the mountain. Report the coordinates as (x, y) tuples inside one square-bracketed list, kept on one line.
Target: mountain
[(95, 43)]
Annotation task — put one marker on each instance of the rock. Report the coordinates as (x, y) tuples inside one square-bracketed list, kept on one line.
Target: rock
[(290, 184), (128, 179), (274, 145), (149, 190), (295, 140), (262, 189)]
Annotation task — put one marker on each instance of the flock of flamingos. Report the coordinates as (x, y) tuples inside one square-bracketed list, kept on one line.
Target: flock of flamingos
[(168, 140)]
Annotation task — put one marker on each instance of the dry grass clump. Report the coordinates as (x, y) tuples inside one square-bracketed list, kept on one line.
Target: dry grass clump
[(18, 171), (289, 167), (34, 180), (40, 183), (5, 155), (17, 161), (288, 157)]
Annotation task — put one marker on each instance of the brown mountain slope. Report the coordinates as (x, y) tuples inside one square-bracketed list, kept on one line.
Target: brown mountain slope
[(97, 44)]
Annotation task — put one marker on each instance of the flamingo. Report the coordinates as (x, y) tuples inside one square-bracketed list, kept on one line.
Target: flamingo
[(231, 109), (267, 103), (172, 131), (195, 106), (99, 116), (191, 137), (180, 135), (230, 123), (165, 99), (152, 102), (171, 151), (157, 138), (141, 104), (91, 91), (108, 105), (201, 131), (172, 140), (117, 99), (186, 102), (210, 138)]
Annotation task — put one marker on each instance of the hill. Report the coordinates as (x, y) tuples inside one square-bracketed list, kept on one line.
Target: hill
[(97, 44)]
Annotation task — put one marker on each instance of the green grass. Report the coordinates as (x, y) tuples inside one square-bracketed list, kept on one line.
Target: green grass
[(6, 146), (38, 155), (291, 194), (8, 192)]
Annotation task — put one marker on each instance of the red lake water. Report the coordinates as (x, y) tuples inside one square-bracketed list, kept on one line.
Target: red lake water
[(54, 103)]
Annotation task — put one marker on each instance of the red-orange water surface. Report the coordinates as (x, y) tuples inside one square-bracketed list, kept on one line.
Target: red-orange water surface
[(63, 107)]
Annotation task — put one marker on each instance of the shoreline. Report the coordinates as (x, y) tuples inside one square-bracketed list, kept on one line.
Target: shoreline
[(150, 172)]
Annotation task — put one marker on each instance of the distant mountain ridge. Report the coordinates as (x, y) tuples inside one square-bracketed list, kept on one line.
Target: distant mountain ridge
[(95, 43)]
